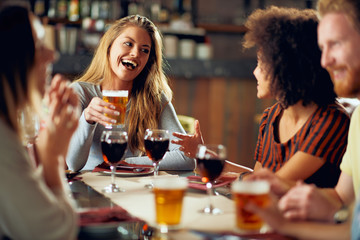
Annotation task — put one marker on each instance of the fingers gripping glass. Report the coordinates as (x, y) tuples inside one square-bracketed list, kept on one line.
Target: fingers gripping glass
[(119, 100)]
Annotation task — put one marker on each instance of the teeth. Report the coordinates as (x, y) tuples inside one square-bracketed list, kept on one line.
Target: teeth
[(130, 63)]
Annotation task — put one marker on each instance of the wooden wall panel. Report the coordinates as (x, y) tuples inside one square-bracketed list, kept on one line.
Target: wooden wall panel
[(226, 108), (233, 116), (216, 106), (200, 108)]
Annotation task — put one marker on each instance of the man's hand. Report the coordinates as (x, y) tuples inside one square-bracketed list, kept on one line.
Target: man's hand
[(278, 186), (307, 202)]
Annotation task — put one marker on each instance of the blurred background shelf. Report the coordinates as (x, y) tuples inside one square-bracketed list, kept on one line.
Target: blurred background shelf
[(222, 28), (188, 68)]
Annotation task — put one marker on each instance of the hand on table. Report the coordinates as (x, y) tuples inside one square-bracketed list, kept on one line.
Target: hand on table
[(306, 201), (189, 142), (96, 109), (298, 229)]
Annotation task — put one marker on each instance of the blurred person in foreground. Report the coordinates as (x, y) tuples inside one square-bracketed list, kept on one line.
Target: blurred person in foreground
[(303, 136), (339, 37), (129, 57), (34, 200)]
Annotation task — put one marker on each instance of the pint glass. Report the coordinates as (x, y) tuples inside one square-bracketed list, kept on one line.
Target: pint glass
[(119, 99), (243, 192), (169, 193)]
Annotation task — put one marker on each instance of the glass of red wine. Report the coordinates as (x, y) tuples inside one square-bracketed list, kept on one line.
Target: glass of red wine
[(113, 146), (210, 162), (156, 144)]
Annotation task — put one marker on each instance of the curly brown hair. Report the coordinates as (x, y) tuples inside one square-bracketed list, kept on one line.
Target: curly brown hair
[(286, 41)]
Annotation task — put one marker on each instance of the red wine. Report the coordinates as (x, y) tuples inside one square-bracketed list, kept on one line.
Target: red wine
[(209, 169), (113, 152), (156, 149)]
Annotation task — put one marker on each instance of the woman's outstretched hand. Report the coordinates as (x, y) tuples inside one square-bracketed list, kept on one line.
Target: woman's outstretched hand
[(189, 142)]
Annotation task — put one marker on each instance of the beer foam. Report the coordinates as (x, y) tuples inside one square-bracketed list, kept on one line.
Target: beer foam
[(115, 93), (170, 183), (251, 187)]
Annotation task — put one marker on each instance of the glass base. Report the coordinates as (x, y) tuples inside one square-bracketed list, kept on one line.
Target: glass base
[(115, 127), (263, 229), (113, 188), (167, 228), (150, 185), (211, 211)]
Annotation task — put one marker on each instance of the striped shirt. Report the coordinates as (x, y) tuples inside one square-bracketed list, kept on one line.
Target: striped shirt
[(323, 135)]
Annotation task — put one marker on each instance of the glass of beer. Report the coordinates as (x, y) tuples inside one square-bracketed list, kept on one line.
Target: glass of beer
[(210, 162), (113, 146), (243, 192), (169, 194), (118, 98)]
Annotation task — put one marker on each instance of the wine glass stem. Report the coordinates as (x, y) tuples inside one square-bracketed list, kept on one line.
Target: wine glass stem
[(210, 193), (112, 167), (156, 168)]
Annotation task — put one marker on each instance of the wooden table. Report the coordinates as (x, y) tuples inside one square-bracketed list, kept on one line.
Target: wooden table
[(138, 201)]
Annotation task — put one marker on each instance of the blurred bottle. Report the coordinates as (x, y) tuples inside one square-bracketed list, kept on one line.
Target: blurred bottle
[(104, 9), (132, 8), (95, 8), (52, 9), (39, 8), (61, 9), (74, 10), (85, 7)]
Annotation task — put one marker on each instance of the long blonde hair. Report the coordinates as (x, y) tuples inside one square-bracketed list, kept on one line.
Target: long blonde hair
[(146, 103)]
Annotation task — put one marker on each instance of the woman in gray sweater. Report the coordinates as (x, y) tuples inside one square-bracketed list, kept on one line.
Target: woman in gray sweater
[(129, 57)]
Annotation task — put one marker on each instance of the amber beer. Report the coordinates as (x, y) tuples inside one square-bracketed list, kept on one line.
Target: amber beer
[(243, 192), (119, 98), (169, 193)]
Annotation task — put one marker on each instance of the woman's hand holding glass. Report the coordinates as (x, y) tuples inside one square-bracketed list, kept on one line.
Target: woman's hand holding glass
[(96, 110), (109, 111)]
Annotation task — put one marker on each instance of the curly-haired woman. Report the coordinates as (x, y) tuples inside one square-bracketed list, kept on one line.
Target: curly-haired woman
[(303, 136)]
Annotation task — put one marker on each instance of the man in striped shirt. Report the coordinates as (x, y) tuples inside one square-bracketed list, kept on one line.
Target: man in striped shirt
[(338, 38)]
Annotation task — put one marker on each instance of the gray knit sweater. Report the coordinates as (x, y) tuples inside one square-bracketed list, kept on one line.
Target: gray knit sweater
[(85, 151)]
